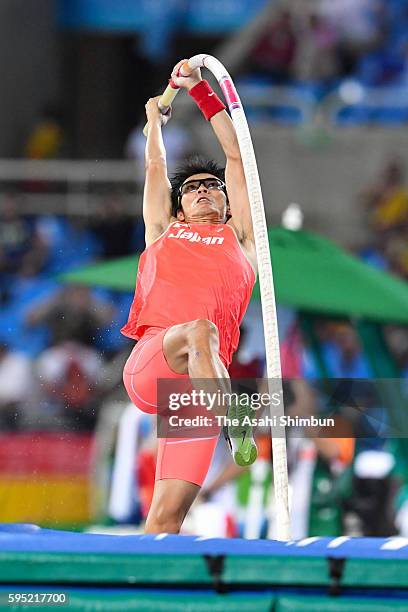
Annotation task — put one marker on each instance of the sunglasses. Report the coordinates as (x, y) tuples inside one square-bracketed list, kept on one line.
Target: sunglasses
[(194, 185)]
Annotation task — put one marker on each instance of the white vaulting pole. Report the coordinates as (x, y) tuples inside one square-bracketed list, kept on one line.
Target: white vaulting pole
[(270, 323)]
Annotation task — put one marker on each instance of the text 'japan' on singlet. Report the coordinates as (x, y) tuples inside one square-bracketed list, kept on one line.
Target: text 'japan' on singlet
[(193, 271)]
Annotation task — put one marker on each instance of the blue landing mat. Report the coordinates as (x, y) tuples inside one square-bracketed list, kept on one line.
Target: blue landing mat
[(31, 538)]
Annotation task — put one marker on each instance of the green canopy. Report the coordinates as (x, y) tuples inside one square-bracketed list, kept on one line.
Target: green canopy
[(311, 273), (117, 274)]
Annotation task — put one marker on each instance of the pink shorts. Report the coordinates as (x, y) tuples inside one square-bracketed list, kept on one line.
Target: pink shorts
[(182, 458)]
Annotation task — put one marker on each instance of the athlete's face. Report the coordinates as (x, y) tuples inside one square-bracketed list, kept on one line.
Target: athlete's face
[(203, 201)]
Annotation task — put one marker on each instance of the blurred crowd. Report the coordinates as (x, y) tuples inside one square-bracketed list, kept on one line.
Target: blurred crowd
[(325, 40), (385, 204), (56, 339), (312, 45)]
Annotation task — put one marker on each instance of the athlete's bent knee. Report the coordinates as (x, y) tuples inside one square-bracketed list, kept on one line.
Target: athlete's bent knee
[(203, 328)]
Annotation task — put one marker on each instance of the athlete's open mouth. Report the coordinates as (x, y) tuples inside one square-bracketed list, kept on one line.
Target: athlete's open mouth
[(203, 199)]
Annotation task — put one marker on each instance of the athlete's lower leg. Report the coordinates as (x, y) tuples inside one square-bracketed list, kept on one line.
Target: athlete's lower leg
[(172, 499)]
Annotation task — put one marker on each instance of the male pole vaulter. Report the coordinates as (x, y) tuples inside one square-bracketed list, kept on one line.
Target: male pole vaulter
[(193, 287)]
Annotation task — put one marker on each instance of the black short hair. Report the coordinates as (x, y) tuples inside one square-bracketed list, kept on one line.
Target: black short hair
[(195, 164)]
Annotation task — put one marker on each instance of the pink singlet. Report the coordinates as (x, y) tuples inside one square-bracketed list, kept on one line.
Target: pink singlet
[(192, 271)]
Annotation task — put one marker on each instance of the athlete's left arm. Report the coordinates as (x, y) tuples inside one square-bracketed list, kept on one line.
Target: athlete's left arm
[(234, 177)]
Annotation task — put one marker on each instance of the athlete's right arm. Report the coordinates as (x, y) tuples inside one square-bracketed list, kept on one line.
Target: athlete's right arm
[(156, 196)]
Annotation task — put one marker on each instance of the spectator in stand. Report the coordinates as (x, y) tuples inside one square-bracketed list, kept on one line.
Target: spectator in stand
[(274, 53), (396, 253), (46, 138), (69, 374), (17, 237), (387, 200), (118, 233), (397, 340), (16, 386), (19, 244), (341, 352), (72, 315), (345, 354), (316, 56), (361, 25)]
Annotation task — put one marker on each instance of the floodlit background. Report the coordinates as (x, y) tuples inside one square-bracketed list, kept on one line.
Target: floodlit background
[(324, 86)]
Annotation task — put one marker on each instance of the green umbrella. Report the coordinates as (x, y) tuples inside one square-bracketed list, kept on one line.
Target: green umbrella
[(117, 274), (311, 273)]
